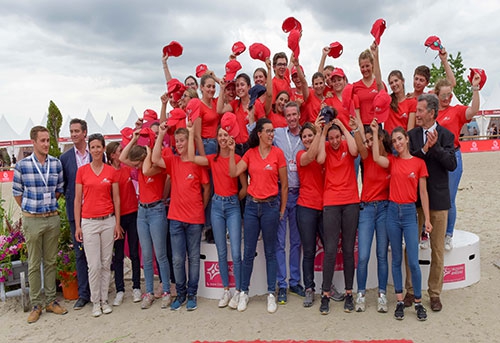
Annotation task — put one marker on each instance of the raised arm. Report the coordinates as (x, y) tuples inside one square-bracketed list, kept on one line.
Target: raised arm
[(222, 107), (166, 71), (321, 148), (124, 154), (235, 169), (156, 157), (443, 56), (351, 143), (148, 168), (324, 52), (163, 111), (303, 82), (197, 136), (376, 66), (311, 154), (199, 160), (356, 126), (474, 106), (269, 88), (379, 159)]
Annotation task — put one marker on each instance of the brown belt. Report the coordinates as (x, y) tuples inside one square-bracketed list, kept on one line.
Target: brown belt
[(101, 218), (40, 215)]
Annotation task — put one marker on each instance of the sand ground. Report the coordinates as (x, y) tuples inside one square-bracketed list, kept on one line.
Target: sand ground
[(469, 314)]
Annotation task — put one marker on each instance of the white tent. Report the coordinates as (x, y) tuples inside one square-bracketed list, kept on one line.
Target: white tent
[(109, 127), (7, 133), (25, 134), (64, 132), (92, 125), (132, 118)]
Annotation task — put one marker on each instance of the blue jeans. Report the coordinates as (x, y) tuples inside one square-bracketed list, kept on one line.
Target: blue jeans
[(372, 219), (294, 253), (185, 237), (152, 230), (402, 221), (453, 181), (82, 269), (210, 145), (129, 224), (310, 222), (263, 216), (226, 213)]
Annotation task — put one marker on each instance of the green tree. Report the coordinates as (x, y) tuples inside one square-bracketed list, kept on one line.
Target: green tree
[(462, 90), (54, 122)]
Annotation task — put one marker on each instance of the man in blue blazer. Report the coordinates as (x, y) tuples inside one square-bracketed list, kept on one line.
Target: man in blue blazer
[(71, 160), (434, 144)]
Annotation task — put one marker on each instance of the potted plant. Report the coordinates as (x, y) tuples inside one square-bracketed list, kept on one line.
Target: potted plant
[(66, 258), (13, 252)]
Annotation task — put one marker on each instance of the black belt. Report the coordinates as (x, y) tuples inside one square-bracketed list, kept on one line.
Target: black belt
[(151, 204), (101, 218), (263, 200)]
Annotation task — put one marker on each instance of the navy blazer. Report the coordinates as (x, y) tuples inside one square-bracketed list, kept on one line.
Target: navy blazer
[(440, 159)]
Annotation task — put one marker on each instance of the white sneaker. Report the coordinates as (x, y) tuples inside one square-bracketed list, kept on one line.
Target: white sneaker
[(448, 243), (226, 297), (271, 303), (382, 303), (137, 295), (235, 300), (118, 299), (166, 300), (96, 311), (243, 302), (360, 303), (424, 242), (106, 309)]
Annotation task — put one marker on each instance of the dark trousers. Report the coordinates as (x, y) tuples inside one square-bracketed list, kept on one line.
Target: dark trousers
[(82, 269)]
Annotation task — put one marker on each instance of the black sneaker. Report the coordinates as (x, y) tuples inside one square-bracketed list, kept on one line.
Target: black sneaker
[(282, 298), (324, 308), (399, 314), (298, 289), (348, 303), (421, 312)]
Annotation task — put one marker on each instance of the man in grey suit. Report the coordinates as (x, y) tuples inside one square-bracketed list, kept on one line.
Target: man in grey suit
[(434, 144), (71, 160)]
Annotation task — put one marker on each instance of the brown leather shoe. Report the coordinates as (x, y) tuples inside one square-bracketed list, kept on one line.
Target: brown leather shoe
[(34, 314), (54, 307), (409, 299), (436, 304)]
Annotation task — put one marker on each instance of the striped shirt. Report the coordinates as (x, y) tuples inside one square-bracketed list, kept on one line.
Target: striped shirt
[(32, 183)]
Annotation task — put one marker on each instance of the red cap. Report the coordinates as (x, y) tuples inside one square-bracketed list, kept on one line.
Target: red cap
[(378, 29), (228, 122), (347, 101), (193, 109), (434, 43), (336, 49), (176, 89), (481, 73), (294, 70), (337, 72), (290, 24), (201, 69), (238, 48), (232, 68), (173, 49), (381, 106), (259, 51), (293, 42), (150, 115), (175, 116)]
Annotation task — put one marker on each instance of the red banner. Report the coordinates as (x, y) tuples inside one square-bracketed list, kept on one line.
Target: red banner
[(480, 145), (6, 176)]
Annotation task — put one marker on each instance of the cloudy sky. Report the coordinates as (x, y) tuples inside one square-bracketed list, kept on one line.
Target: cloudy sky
[(106, 55)]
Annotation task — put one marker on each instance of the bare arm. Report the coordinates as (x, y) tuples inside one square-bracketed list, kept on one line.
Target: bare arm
[(311, 154), (156, 157), (379, 159), (411, 121), (118, 234), (284, 190), (163, 111), (235, 169), (244, 185), (148, 168), (269, 89), (124, 154), (351, 143), (197, 136), (78, 212), (324, 52), (222, 107), (199, 160), (376, 66), (206, 193), (166, 71), (443, 56), (474, 106), (356, 127), (321, 148)]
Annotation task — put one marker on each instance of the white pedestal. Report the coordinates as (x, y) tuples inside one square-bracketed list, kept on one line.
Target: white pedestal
[(462, 265)]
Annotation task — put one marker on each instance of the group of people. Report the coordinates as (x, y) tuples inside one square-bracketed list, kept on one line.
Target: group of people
[(267, 160)]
